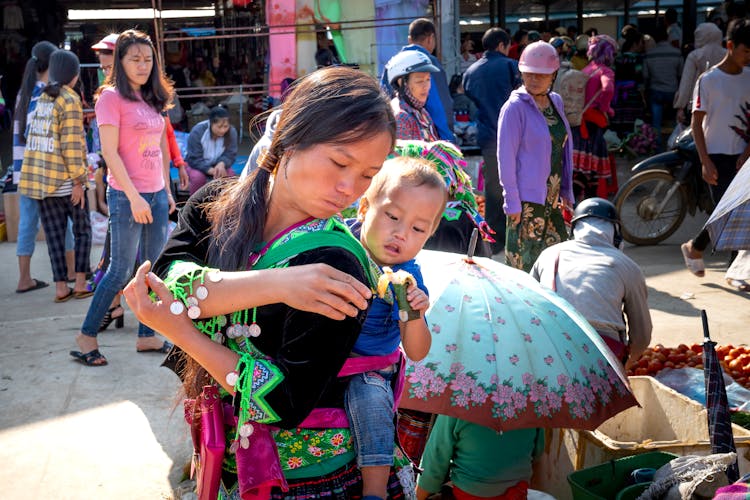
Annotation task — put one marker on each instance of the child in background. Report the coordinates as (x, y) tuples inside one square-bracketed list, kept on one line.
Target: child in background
[(482, 464), (398, 213)]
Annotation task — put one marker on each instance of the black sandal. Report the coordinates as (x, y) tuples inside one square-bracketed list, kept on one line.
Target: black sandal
[(91, 358), (108, 319)]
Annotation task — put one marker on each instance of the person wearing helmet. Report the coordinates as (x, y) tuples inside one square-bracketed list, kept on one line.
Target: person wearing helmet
[(534, 154), (598, 279), (409, 75), (591, 166), (423, 39), (580, 59)]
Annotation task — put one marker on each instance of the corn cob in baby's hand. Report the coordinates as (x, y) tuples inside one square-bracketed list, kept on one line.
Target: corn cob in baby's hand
[(401, 281)]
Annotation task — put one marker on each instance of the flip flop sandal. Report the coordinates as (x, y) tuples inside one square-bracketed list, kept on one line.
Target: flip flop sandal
[(91, 358), (740, 285), (695, 266), (66, 297), (164, 349), (37, 285), (83, 294)]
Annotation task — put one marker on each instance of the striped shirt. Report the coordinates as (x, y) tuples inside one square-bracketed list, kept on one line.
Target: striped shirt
[(55, 146), (19, 143)]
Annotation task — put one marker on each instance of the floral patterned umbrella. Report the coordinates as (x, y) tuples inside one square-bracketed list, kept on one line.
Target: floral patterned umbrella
[(509, 354)]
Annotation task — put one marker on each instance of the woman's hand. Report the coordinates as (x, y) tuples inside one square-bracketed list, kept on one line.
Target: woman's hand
[(171, 203), (709, 171), (514, 218), (184, 178), (155, 314), (141, 210), (324, 290), (220, 170)]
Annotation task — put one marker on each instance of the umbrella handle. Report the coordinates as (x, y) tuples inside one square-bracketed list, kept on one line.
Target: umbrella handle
[(472, 245)]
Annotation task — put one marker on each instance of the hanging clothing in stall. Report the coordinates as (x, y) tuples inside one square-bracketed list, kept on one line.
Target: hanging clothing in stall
[(282, 60)]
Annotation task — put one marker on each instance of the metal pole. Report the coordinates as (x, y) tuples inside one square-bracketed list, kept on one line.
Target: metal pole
[(502, 13), (579, 16), (689, 20), (626, 12), (492, 7), (656, 15)]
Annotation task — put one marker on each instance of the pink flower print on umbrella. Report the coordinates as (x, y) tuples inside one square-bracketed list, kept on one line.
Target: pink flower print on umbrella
[(517, 343), (436, 329), (450, 308), (467, 298), (456, 368), (585, 348)]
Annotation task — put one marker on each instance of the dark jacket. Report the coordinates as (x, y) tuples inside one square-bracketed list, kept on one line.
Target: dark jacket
[(194, 156), (439, 101), (489, 82), (308, 348)]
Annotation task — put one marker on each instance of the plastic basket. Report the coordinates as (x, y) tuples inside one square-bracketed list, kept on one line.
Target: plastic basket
[(605, 481), (633, 491)]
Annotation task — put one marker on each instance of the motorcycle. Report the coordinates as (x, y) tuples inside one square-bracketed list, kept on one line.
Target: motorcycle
[(663, 189)]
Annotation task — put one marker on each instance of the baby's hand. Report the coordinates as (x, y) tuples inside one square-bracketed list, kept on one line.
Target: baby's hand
[(418, 300)]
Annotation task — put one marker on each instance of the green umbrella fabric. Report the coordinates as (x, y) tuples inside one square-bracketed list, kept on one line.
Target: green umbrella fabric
[(509, 354)]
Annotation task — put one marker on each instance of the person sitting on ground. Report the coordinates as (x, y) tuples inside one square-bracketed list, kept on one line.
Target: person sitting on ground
[(397, 214), (599, 280), (212, 149), (480, 462)]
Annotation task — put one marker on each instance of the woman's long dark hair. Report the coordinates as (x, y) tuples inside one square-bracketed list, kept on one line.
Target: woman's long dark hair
[(157, 92), (38, 63), (329, 106)]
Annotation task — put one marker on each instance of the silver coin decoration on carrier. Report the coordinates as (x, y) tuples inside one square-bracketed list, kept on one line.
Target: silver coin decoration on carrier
[(191, 301), (194, 312), (176, 308), (214, 276), (253, 330), (201, 292)]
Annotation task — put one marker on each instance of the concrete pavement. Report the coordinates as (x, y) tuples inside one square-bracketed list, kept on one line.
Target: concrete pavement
[(72, 432)]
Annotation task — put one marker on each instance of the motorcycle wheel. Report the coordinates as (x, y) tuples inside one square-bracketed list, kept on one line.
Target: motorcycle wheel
[(637, 203)]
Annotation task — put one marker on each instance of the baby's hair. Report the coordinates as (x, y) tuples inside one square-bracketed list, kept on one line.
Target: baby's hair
[(404, 171)]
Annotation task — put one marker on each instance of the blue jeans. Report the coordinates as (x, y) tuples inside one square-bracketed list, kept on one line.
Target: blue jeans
[(659, 100), (369, 406), (28, 227), (127, 236)]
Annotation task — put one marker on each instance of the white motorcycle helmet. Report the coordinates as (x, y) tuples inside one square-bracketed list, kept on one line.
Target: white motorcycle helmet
[(408, 61)]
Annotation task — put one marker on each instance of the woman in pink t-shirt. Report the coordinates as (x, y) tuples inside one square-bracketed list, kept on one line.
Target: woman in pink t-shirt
[(131, 126)]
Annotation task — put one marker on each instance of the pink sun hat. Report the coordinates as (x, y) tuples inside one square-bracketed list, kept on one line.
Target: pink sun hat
[(106, 43)]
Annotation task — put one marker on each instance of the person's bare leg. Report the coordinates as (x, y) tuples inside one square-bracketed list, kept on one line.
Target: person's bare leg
[(25, 281), (375, 480), (70, 261), (80, 285), (61, 289)]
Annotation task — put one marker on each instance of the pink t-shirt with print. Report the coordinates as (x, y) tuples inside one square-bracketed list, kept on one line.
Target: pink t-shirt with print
[(140, 131)]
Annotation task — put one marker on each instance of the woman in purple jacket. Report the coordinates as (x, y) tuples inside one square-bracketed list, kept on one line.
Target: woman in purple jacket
[(535, 159)]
